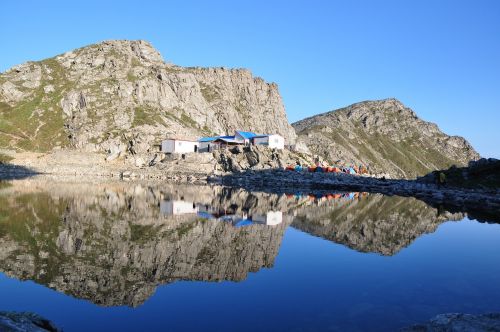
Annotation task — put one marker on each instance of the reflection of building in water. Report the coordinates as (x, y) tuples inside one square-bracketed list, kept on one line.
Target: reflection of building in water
[(271, 218), (177, 207), (228, 215)]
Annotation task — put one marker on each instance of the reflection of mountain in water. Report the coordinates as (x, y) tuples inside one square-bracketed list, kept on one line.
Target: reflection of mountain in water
[(375, 223), (113, 246), (114, 243)]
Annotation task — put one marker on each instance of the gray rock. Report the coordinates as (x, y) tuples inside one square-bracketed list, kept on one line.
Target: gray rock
[(139, 162), (25, 322), (457, 322)]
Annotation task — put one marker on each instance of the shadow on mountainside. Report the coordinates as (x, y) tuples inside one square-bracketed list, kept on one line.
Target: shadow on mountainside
[(481, 204), (15, 172)]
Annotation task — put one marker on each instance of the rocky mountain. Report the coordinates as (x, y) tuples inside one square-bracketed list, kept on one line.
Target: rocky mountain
[(123, 93), (386, 136)]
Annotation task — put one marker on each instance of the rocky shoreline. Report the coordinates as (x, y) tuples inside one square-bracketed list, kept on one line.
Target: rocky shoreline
[(483, 203), (256, 170)]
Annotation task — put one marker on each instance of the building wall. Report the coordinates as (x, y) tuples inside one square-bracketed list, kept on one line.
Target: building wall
[(169, 208), (260, 140), (168, 146), (185, 146), (276, 141), (271, 218), (204, 147), (273, 141), (274, 218), (178, 146)]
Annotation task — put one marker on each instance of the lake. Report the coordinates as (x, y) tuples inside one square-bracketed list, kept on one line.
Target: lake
[(94, 256)]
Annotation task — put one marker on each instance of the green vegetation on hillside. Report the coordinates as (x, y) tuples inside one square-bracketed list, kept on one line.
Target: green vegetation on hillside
[(146, 116), (376, 149), (183, 119), (4, 159), (406, 154), (384, 135), (36, 123), (481, 175), (209, 93)]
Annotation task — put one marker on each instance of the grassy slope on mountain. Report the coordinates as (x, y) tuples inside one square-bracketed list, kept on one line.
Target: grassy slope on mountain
[(384, 135), (26, 125)]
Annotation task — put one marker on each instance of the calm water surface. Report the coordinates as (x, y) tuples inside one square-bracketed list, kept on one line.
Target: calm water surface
[(129, 257)]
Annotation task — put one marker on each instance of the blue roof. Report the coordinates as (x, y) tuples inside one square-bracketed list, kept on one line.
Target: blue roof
[(213, 138), (243, 222), (205, 215), (229, 139), (208, 139), (246, 134)]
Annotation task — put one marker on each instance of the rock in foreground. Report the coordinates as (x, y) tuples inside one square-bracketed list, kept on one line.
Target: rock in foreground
[(483, 173), (459, 322), (25, 322)]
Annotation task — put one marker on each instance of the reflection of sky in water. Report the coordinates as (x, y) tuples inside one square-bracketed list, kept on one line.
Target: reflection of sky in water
[(314, 284)]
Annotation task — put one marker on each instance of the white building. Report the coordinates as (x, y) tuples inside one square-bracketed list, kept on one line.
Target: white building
[(271, 218), (177, 145), (208, 144), (172, 207), (274, 141)]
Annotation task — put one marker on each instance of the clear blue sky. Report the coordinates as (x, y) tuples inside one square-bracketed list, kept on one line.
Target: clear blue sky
[(441, 58)]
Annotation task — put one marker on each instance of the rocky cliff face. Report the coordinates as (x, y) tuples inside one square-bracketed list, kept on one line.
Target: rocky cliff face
[(122, 93), (386, 136)]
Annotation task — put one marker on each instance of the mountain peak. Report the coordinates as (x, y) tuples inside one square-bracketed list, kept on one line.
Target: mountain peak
[(141, 49), (385, 135)]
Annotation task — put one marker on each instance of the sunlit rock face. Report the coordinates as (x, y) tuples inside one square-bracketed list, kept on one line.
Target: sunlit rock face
[(101, 96), (373, 223), (112, 245)]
